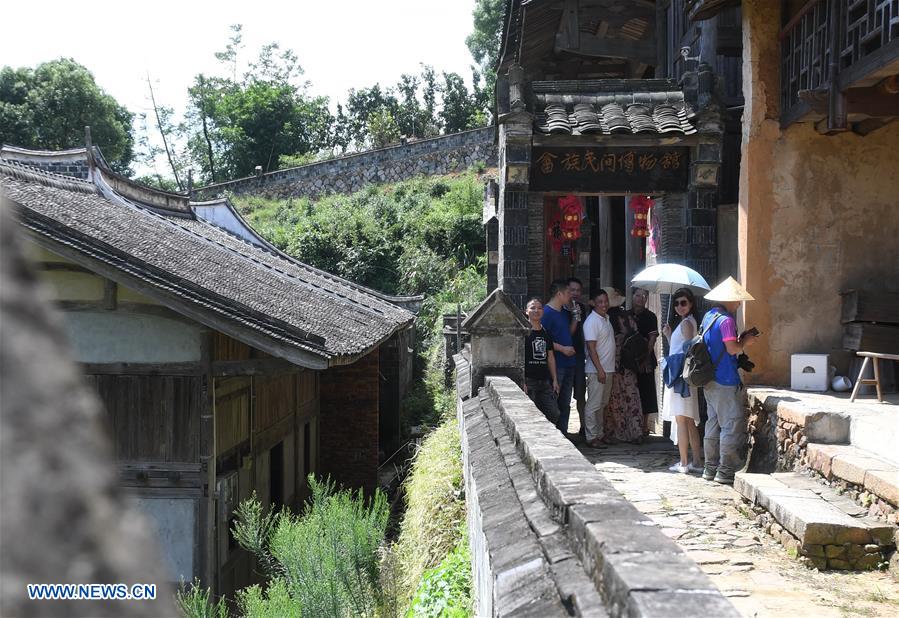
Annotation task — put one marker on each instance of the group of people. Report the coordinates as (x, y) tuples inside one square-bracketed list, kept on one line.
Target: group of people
[(600, 353), (603, 355)]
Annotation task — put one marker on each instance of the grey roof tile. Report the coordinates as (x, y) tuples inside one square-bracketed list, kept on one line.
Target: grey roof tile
[(279, 297)]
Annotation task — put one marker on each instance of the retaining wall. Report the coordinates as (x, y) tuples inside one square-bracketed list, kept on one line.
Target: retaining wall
[(549, 534), (436, 156)]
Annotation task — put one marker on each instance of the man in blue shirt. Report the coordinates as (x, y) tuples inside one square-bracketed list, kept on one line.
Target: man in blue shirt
[(556, 322), (725, 429)]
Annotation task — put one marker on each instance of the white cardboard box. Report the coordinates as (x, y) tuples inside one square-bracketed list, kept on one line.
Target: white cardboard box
[(808, 372)]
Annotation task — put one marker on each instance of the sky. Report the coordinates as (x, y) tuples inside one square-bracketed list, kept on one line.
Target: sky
[(341, 44)]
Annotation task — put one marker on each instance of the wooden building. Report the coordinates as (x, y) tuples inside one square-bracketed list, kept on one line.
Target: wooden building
[(225, 367), (622, 104)]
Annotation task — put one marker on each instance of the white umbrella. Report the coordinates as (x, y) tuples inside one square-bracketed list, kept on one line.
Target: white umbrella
[(667, 278)]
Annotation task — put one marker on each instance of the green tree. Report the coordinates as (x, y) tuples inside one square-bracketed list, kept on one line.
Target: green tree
[(460, 109), (484, 41), (49, 106), (236, 124)]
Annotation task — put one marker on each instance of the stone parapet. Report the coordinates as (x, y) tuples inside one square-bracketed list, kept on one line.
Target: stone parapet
[(440, 155), (544, 523)]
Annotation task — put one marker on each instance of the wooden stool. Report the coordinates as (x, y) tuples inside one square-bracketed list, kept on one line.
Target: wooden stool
[(868, 356)]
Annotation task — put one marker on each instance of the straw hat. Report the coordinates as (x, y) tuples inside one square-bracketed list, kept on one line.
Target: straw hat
[(729, 291), (615, 297)]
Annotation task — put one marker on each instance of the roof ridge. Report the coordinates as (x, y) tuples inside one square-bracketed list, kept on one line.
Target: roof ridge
[(29, 173)]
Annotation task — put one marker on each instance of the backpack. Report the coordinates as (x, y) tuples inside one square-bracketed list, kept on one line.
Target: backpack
[(634, 351), (699, 369)]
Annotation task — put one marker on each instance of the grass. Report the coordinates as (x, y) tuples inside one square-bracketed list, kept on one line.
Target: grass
[(435, 507)]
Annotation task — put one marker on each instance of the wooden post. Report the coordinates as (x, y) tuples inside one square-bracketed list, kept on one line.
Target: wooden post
[(208, 567), (836, 110), (605, 241), (633, 254)]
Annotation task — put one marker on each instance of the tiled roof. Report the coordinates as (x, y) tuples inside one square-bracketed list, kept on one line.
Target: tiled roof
[(615, 113), (213, 271)]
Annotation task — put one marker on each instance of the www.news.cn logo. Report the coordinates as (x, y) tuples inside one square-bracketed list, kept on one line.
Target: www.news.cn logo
[(92, 592)]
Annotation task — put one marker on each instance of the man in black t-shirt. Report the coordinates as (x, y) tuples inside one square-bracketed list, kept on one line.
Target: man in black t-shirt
[(540, 383)]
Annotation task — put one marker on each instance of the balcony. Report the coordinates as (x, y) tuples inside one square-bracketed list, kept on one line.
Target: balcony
[(842, 86)]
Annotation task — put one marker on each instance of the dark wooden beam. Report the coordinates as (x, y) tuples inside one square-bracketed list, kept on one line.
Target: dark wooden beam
[(570, 23), (144, 369), (871, 101), (254, 367), (837, 117), (592, 46)]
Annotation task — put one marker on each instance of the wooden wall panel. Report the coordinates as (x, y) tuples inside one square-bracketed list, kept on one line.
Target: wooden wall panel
[(232, 412), (152, 418), (276, 398)]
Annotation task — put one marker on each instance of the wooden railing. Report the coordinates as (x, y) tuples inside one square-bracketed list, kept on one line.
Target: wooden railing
[(865, 34)]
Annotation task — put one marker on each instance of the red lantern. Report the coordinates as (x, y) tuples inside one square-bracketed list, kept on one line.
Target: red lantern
[(572, 213), (640, 204)]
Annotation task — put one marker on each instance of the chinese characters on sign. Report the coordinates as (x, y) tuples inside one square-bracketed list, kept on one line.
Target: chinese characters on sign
[(625, 169)]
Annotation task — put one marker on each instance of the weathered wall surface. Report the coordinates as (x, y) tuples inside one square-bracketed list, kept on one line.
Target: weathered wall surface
[(349, 423), (440, 155), (818, 214)]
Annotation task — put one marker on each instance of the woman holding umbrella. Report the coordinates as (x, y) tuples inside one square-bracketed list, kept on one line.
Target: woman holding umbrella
[(680, 403)]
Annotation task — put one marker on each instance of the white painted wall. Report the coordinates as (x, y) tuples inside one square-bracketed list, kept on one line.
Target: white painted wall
[(119, 337), (175, 524)]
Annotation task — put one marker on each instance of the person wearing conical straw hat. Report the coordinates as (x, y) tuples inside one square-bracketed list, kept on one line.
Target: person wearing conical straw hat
[(725, 429)]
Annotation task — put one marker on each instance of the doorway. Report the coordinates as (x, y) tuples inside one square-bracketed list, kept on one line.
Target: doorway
[(600, 256)]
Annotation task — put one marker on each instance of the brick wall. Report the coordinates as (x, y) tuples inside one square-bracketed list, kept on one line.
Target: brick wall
[(349, 423)]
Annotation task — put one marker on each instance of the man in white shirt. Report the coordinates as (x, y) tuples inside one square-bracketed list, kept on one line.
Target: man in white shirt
[(599, 346)]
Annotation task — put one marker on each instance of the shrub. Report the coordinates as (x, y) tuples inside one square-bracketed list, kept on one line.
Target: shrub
[(323, 562), (194, 602), (445, 590)]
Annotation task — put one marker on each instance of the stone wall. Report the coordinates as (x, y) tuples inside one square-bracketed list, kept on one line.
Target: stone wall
[(430, 157), (549, 534), (817, 214)]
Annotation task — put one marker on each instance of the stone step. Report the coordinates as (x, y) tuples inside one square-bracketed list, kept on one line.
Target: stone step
[(875, 428), (859, 467), (826, 534)]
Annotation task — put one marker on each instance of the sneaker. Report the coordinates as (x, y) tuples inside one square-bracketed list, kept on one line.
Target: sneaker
[(724, 479), (709, 473), (694, 469), (678, 468)]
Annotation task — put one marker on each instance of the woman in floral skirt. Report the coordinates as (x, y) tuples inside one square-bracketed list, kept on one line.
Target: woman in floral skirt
[(624, 415)]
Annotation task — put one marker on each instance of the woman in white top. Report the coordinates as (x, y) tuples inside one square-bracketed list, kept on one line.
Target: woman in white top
[(683, 412)]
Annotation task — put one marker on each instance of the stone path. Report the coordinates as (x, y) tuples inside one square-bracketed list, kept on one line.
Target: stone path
[(745, 563)]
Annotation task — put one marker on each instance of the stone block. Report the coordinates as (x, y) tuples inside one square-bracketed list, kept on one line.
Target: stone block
[(835, 551), (857, 536), (852, 467), (615, 537), (682, 603), (838, 564), (868, 561), (820, 457), (882, 533), (884, 483), (623, 574), (815, 551), (855, 552), (577, 590)]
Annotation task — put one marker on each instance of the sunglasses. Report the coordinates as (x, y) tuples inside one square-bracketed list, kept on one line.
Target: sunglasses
[(683, 302)]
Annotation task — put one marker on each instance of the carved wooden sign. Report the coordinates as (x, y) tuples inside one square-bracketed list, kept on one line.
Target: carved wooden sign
[(597, 168)]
